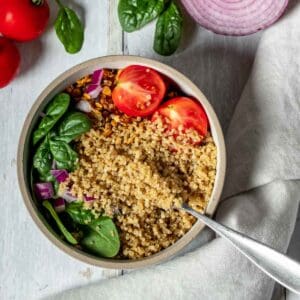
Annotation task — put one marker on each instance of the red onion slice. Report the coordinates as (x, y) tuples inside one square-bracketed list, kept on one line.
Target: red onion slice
[(44, 190), (59, 205), (89, 199), (67, 196), (95, 88), (84, 106), (231, 17), (60, 175)]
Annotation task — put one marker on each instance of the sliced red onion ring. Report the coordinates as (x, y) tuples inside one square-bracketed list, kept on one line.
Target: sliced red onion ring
[(95, 88), (59, 205), (60, 175), (235, 17), (84, 106), (44, 190)]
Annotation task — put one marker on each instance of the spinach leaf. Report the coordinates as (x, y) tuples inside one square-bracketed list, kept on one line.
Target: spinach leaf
[(54, 112), (42, 159), (69, 29), (101, 237), (168, 30), (73, 126), (134, 14), (79, 214), (69, 237), (64, 155)]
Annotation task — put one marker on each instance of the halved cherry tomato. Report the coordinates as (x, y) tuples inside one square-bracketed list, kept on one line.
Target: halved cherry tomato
[(9, 61), (23, 20), (139, 91), (183, 113)]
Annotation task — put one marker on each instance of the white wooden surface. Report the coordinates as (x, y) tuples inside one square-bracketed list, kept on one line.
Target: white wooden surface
[(30, 267)]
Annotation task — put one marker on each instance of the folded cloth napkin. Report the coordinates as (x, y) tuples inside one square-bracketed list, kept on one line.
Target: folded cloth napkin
[(261, 194)]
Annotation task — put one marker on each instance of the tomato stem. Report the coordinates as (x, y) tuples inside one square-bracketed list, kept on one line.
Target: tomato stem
[(37, 2)]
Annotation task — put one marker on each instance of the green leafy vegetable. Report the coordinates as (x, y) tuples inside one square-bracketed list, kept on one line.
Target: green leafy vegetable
[(69, 29), (134, 14), (42, 160), (79, 214), (73, 126), (69, 237), (168, 30), (100, 235), (64, 155), (54, 112)]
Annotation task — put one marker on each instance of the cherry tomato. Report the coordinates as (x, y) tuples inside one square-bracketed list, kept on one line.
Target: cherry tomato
[(183, 113), (139, 91), (9, 61), (23, 20)]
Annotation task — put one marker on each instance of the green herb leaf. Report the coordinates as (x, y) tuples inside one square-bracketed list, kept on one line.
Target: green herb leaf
[(168, 30), (79, 214), (73, 126), (101, 237), (134, 14), (57, 107), (42, 159), (69, 237), (64, 155), (69, 30)]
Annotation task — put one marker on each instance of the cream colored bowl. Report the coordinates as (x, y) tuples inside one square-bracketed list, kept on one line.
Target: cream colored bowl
[(23, 160)]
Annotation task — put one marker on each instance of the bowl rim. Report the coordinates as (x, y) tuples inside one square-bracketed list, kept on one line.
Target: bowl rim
[(197, 227)]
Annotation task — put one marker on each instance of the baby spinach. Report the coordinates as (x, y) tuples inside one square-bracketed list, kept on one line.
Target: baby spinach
[(69, 29), (54, 112), (168, 30), (64, 155), (100, 235), (134, 14), (69, 237), (79, 214), (42, 159), (73, 126)]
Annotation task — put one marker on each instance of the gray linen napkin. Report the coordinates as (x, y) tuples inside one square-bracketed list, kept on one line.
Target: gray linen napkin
[(261, 194)]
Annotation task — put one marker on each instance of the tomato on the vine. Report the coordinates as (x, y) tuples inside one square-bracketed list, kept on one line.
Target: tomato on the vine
[(9, 61), (23, 20)]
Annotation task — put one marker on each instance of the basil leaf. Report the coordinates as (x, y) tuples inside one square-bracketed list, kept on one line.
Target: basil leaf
[(79, 214), (69, 237), (42, 159), (73, 126), (54, 112), (101, 237), (134, 14), (168, 30), (64, 155), (69, 30)]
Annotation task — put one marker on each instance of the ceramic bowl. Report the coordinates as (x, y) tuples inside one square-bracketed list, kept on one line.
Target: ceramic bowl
[(24, 154)]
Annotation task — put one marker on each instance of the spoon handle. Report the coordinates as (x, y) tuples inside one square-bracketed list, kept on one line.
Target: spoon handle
[(278, 266)]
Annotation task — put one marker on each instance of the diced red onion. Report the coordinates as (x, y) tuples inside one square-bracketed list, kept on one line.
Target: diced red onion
[(59, 205), (88, 199), (44, 190), (84, 106), (235, 17), (60, 175), (67, 196), (95, 88)]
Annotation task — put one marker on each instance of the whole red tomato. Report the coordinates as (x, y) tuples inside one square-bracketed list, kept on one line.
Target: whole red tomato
[(9, 61), (23, 20)]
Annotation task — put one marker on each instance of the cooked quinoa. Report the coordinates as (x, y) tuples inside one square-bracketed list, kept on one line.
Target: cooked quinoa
[(139, 175)]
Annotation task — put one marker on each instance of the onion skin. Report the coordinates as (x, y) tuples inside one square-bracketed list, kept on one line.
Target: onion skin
[(235, 18)]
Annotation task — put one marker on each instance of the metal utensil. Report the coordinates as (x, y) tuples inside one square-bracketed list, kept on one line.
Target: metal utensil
[(278, 266)]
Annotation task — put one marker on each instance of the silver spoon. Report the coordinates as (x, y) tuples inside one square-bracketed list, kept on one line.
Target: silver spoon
[(278, 266)]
